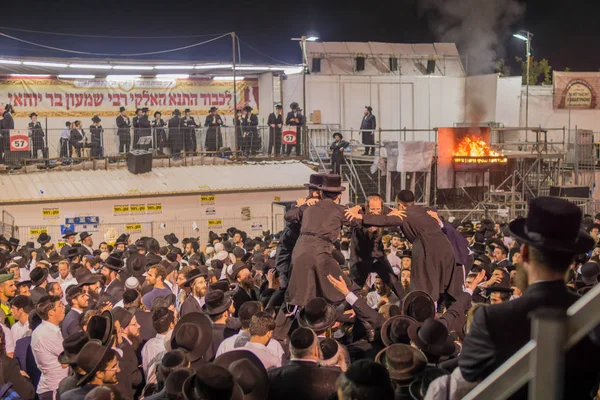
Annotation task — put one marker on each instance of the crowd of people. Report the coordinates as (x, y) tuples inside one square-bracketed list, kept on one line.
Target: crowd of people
[(172, 136), (349, 303)]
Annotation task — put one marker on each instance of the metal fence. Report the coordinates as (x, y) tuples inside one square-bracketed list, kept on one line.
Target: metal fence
[(108, 232)]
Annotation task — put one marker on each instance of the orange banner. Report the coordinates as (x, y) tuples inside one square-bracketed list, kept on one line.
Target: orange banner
[(52, 97)]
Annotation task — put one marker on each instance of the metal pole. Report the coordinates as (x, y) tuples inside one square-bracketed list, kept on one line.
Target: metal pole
[(303, 133), (235, 139), (549, 330), (527, 90)]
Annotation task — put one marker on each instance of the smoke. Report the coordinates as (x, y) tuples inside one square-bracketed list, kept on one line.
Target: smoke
[(478, 27)]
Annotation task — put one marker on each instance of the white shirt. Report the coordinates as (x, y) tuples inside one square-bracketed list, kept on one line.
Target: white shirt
[(269, 360), (229, 344), (151, 356), (23, 274), (19, 330), (374, 297), (8, 338), (47, 344), (394, 260)]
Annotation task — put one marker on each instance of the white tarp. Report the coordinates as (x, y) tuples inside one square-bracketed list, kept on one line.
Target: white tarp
[(415, 156)]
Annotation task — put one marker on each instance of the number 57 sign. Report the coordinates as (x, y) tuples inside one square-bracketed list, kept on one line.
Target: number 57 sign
[(19, 140)]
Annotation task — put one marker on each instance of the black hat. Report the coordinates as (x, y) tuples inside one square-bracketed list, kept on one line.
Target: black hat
[(369, 108), (216, 302), (85, 277), (73, 252), (136, 264), (418, 305), (171, 239), (96, 118), (123, 316), (72, 345), (84, 235), (431, 337), (89, 359), (213, 109), (121, 109), (193, 333), (38, 275), (15, 242), (43, 238), (293, 105), (219, 285), (418, 388), (192, 275), (552, 224), (478, 248), (113, 262), (187, 110), (55, 258), (101, 327), (239, 252), (236, 269), (498, 288), (279, 107), (174, 382), (213, 382), (590, 272), (314, 181), (247, 108), (33, 115), (176, 112), (402, 361), (248, 371), (145, 109), (69, 233), (395, 330), (338, 134), (137, 110), (157, 113), (317, 315), (332, 183), (213, 236)]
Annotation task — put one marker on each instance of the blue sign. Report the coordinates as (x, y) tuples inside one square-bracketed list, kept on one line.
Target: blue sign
[(64, 228), (86, 220), (69, 221)]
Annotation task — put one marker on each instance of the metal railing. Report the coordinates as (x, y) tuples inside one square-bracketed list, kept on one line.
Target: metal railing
[(541, 362)]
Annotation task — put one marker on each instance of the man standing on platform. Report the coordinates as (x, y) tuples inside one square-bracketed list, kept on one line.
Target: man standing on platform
[(214, 140), (175, 135), (144, 124), (124, 131), (189, 131), (367, 127), (295, 118), (275, 123)]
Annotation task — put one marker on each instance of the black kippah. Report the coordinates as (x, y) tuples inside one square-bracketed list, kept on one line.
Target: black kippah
[(302, 338), (130, 295), (406, 196), (172, 358), (368, 373), (329, 348)]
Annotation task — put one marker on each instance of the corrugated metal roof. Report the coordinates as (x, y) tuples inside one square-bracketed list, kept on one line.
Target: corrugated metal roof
[(74, 185)]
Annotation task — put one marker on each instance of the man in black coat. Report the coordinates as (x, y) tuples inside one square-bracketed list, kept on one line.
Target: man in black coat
[(433, 266), (144, 125), (337, 152), (295, 118), (196, 281), (275, 122), (245, 290), (176, 133), (367, 127), (114, 288), (36, 132), (6, 125), (250, 139), (96, 133), (189, 131), (551, 238), (302, 378), (123, 131), (136, 125), (214, 139)]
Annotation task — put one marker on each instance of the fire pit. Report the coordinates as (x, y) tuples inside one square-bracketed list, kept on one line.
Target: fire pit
[(473, 154)]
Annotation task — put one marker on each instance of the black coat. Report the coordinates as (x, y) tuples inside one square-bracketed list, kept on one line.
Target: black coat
[(24, 355), (368, 123), (189, 305), (297, 119), (499, 331), (37, 293), (96, 135), (71, 323), (37, 134), (434, 269), (124, 125), (145, 128), (147, 330), (240, 296), (276, 120), (113, 292), (6, 124), (76, 137), (11, 373), (301, 380), (214, 138), (175, 133), (130, 376)]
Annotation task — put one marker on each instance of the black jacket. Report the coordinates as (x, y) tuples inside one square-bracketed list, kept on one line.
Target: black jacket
[(300, 380), (11, 373), (113, 292), (240, 296), (368, 123), (499, 331), (124, 125), (189, 305), (290, 116), (130, 376)]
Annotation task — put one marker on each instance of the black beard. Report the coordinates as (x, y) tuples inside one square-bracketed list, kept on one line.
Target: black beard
[(247, 284), (135, 342)]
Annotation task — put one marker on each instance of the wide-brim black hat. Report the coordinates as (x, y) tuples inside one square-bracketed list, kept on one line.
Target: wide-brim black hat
[(369, 108), (552, 224), (55, 258), (331, 183), (418, 305), (338, 134), (418, 387), (101, 327), (387, 337), (216, 303), (193, 275), (248, 371), (171, 239), (43, 238), (113, 262), (442, 348), (213, 109), (193, 332), (317, 315), (69, 233), (89, 359), (85, 277), (38, 275), (33, 115), (402, 361), (72, 345), (136, 264), (84, 235), (121, 109), (215, 379), (176, 112), (96, 119), (237, 268), (314, 181)]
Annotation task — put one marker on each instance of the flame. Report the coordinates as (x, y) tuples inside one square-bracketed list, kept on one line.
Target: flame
[(474, 150)]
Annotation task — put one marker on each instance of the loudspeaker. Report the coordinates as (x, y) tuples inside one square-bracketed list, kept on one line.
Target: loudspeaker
[(316, 65), (139, 161), (570, 191), (430, 66), (393, 64), (360, 63)]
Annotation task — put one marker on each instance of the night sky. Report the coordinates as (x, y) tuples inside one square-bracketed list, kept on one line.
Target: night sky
[(564, 31)]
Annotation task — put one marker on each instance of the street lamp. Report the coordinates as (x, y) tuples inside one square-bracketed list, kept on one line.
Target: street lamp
[(526, 36), (303, 41)]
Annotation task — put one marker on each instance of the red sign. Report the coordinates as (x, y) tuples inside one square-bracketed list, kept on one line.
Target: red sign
[(19, 140), (288, 136)]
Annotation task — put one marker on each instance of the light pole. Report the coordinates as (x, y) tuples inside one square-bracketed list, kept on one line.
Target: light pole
[(303, 41), (526, 36)]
